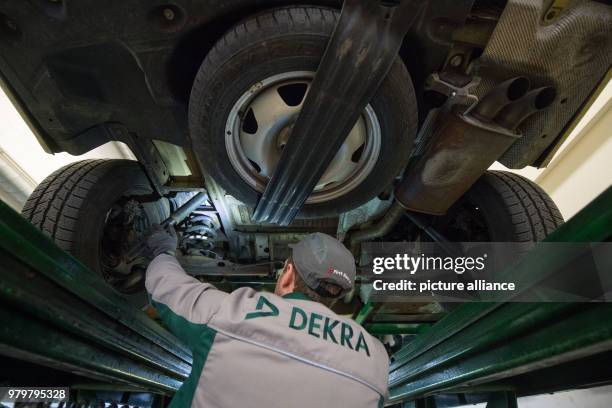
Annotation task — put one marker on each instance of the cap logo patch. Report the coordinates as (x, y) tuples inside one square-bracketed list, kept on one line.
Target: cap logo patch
[(331, 270)]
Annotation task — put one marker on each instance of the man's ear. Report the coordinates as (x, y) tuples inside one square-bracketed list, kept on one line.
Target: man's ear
[(286, 282)]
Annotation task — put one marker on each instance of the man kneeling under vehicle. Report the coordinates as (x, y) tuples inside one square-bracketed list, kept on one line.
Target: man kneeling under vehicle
[(260, 349)]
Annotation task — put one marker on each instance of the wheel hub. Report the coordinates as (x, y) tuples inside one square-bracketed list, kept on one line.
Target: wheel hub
[(283, 137)]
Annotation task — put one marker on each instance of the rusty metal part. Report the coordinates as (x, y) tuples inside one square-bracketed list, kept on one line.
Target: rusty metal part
[(456, 146), (454, 85), (534, 101), (459, 150), (379, 229), (386, 223)]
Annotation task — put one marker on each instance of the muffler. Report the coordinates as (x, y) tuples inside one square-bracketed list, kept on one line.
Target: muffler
[(462, 146), (511, 116)]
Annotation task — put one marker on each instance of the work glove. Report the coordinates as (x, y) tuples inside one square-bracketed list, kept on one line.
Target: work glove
[(161, 240)]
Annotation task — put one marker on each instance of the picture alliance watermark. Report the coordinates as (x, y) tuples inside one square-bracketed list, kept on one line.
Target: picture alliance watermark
[(478, 285)]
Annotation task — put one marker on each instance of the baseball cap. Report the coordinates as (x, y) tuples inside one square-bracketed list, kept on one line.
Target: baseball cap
[(320, 258)]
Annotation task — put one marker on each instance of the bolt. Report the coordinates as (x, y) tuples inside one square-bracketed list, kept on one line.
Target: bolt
[(169, 14), (456, 60)]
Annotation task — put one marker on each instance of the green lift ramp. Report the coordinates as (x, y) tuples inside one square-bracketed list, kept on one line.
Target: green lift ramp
[(59, 315), (503, 350), (56, 313)]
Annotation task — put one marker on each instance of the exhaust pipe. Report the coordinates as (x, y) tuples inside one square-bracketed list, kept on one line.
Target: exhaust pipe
[(461, 147), (382, 227), (534, 101), (500, 96)]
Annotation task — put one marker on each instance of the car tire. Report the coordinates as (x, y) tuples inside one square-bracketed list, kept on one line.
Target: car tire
[(72, 204), (506, 207), (500, 207), (272, 43)]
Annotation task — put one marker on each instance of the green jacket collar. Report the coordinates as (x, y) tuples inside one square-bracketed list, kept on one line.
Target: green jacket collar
[(296, 295)]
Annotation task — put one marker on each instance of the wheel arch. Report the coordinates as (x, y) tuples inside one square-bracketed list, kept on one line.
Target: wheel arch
[(191, 49)]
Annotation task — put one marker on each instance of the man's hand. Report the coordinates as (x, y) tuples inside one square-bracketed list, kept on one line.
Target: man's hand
[(161, 240)]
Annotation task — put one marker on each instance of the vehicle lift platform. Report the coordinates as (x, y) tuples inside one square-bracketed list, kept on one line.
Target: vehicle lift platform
[(63, 325)]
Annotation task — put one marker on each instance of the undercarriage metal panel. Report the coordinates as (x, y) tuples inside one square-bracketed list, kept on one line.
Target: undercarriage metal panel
[(75, 65), (85, 72), (572, 52)]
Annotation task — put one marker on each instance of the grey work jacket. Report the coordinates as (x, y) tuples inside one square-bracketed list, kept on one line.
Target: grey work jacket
[(256, 349)]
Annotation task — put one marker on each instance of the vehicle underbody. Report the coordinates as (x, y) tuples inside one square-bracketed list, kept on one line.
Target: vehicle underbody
[(387, 136)]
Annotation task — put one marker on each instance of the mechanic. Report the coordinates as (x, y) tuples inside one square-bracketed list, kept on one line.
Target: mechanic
[(258, 349)]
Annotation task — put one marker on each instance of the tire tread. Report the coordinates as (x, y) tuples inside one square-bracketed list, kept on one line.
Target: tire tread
[(534, 214), (54, 205)]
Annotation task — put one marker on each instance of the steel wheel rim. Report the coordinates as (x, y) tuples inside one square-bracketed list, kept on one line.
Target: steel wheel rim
[(254, 153)]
